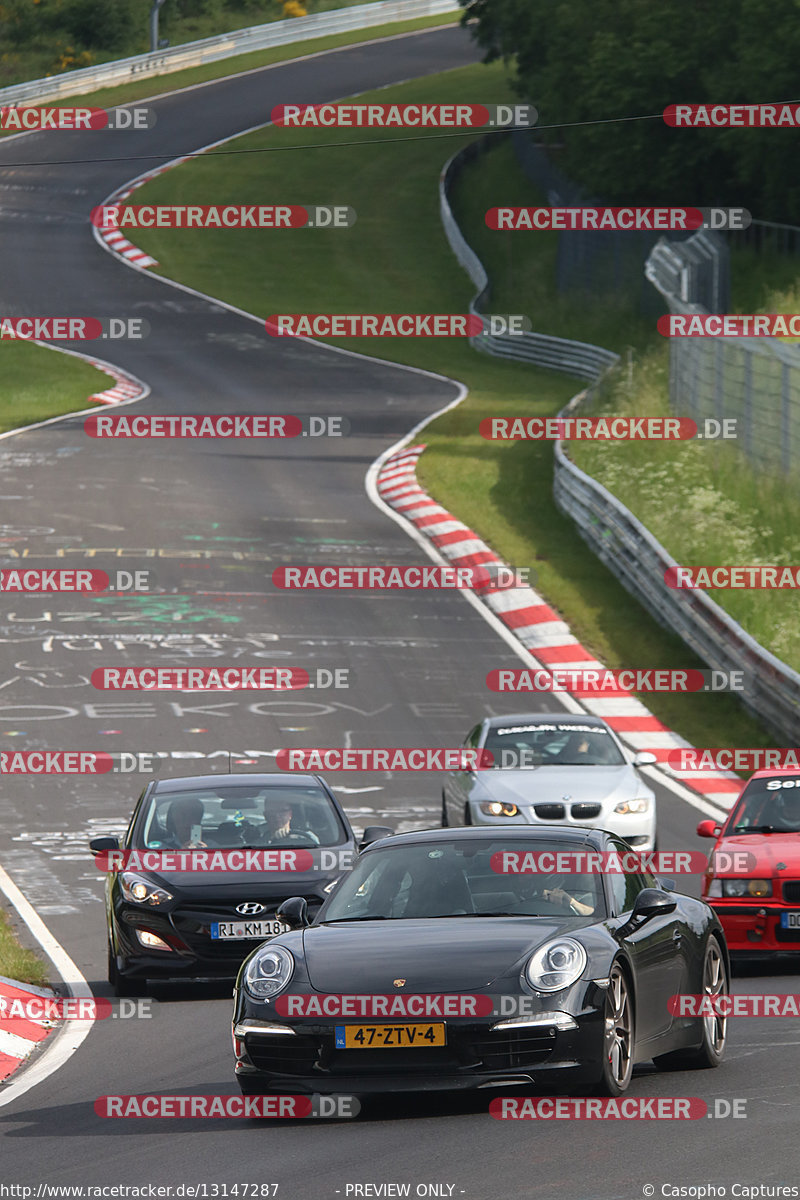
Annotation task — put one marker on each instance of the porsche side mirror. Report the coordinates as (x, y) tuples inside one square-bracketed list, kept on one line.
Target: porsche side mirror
[(102, 845), (652, 901), (645, 758), (294, 912), (667, 885), (374, 833), (708, 829)]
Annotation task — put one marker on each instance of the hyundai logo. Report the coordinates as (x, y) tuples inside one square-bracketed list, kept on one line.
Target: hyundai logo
[(250, 908)]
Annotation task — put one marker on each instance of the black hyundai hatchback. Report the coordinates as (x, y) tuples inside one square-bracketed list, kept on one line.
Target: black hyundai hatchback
[(195, 923)]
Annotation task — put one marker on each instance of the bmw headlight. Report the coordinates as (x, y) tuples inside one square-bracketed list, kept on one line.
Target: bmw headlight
[(497, 808), (138, 890), (556, 965), (736, 888), (268, 972), (638, 804)]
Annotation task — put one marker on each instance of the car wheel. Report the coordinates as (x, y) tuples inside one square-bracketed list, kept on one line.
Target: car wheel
[(122, 985), (619, 1035), (445, 822), (715, 1032)]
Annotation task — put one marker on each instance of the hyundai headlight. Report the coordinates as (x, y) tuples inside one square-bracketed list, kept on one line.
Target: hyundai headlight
[(639, 804), (556, 965), (497, 808), (139, 890), (268, 972)]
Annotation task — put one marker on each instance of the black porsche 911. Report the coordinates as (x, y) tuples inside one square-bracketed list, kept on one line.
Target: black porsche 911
[(190, 924), (518, 978)]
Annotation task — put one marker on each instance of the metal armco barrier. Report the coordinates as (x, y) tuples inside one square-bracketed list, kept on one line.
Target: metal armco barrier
[(559, 354), (225, 45), (628, 549)]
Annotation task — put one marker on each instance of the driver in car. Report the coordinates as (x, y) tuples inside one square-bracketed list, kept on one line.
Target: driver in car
[(784, 814), (279, 825), (555, 894)]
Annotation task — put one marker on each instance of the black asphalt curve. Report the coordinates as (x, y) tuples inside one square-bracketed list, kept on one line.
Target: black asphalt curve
[(211, 520)]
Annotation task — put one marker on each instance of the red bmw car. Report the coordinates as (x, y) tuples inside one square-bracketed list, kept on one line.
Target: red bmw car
[(753, 877)]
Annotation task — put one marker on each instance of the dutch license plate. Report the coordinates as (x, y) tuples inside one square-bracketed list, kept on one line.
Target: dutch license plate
[(236, 931), (366, 1037), (790, 920)]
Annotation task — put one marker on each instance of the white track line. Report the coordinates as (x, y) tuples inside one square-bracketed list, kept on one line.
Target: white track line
[(62, 1044)]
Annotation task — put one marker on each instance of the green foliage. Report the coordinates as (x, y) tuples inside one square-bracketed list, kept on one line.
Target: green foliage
[(604, 59)]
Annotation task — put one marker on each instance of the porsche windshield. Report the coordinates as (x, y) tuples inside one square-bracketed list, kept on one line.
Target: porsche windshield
[(236, 815), (460, 879), (560, 744)]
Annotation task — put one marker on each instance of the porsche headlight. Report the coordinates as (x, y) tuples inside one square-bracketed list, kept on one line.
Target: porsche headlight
[(139, 890), (268, 972), (556, 965), (496, 808), (639, 804)]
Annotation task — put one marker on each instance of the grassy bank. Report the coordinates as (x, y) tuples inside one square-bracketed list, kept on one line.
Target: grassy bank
[(37, 383), (16, 962), (396, 259)]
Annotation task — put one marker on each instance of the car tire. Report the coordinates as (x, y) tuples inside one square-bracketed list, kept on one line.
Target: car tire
[(619, 1035), (122, 985), (711, 1050), (445, 822)]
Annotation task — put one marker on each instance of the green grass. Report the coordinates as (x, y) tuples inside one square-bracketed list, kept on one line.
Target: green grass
[(37, 383), (396, 259), (160, 84), (15, 961), (49, 51)]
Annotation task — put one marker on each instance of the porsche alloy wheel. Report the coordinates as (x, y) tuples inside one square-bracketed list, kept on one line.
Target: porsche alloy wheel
[(618, 1034)]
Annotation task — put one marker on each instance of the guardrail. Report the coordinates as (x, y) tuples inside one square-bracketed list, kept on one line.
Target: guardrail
[(614, 534), (225, 45), (559, 354)]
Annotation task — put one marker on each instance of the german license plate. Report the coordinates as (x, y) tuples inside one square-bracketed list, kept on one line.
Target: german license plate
[(398, 1037), (237, 931), (790, 920)]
